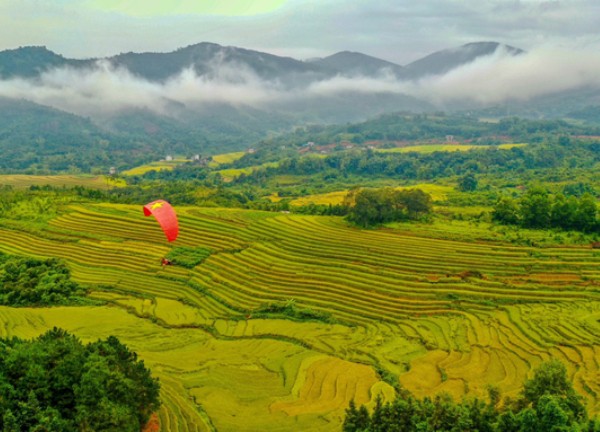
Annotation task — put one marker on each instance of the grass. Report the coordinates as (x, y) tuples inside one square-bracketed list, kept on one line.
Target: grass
[(446, 306)]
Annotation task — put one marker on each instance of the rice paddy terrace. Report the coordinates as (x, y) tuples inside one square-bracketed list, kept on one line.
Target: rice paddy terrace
[(391, 306)]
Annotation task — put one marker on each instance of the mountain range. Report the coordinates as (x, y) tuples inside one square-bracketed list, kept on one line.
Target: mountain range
[(208, 98), (204, 58)]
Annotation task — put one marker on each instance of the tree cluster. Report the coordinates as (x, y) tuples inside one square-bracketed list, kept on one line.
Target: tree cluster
[(55, 383), (548, 403), (537, 208), (378, 206), (428, 166), (26, 281)]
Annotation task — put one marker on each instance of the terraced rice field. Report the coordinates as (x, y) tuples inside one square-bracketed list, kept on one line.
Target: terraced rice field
[(18, 181), (435, 314)]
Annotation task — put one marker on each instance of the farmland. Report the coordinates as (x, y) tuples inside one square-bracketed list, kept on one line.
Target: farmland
[(21, 181), (358, 311), (430, 148)]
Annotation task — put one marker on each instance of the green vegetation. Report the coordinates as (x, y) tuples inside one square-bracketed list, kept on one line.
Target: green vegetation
[(538, 209), (188, 257), (548, 402), (274, 285), (29, 281), (379, 206), (56, 383)]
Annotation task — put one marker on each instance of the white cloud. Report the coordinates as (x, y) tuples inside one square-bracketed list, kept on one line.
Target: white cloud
[(493, 79)]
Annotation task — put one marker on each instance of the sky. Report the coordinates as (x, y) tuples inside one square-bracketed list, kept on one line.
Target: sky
[(561, 40), (400, 31)]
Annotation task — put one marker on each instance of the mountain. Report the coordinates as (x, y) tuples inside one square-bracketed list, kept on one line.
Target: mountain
[(444, 61), (30, 62), (208, 59), (234, 98), (356, 64)]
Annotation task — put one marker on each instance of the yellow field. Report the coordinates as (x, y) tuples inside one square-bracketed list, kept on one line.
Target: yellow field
[(436, 306), (437, 192), (19, 181), (229, 174), (156, 166), (225, 158), (430, 148)]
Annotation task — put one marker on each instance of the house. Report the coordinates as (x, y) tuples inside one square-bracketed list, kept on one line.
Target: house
[(169, 158)]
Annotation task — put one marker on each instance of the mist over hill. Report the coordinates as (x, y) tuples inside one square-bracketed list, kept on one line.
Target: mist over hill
[(208, 98)]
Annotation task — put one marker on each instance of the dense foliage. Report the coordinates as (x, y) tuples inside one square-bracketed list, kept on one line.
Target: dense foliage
[(379, 206), (26, 281), (55, 383), (537, 208), (188, 256), (428, 166), (548, 403)]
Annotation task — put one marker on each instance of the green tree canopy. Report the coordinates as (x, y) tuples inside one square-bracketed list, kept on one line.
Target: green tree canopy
[(56, 383)]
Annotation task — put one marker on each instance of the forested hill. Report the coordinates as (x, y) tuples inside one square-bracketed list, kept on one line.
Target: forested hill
[(401, 129), (39, 139)]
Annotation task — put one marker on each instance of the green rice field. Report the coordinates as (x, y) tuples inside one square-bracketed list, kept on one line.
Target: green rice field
[(405, 306)]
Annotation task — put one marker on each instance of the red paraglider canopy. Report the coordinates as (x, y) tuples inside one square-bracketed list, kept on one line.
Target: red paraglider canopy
[(166, 217)]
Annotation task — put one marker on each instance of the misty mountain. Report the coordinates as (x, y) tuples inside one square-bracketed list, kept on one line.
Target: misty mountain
[(30, 62), (207, 98), (353, 63), (441, 62), (207, 59)]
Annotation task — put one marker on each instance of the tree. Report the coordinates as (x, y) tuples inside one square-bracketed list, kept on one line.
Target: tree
[(467, 183), (585, 216), (378, 206), (356, 420), (535, 208), (547, 403), (563, 211), (55, 383), (550, 379), (506, 211)]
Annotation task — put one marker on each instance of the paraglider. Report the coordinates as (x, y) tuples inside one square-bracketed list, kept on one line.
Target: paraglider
[(166, 217)]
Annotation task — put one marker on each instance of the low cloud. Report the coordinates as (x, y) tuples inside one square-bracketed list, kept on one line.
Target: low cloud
[(103, 90), (503, 77)]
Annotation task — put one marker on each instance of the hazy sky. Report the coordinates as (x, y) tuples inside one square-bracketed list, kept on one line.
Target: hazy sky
[(396, 30)]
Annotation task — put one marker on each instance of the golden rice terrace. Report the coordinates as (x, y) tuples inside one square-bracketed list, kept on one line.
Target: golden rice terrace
[(420, 311)]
